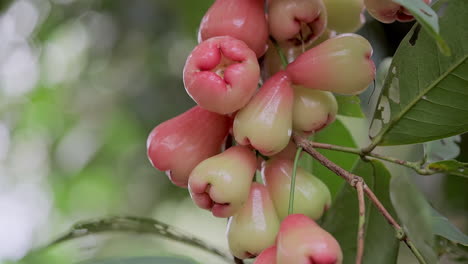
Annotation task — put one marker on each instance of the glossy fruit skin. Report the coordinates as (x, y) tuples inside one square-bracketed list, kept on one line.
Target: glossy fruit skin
[(313, 110), (179, 144), (341, 65), (297, 22), (288, 153), (265, 122), (221, 74), (221, 183), (387, 11), (268, 256), (345, 16), (255, 225), (301, 240), (241, 19), (312, 197)]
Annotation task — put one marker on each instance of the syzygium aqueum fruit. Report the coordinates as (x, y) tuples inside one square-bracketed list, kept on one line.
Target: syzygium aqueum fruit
[(288, 153), (221, 74), (301, 240), (266, 121), (387, 11), (255, 226), (313, 109), (179, 144), (296, 22), (311, 196), (341, 65), (272, 63), (241, 19), (345, 16), (221, 183), (268, 256)]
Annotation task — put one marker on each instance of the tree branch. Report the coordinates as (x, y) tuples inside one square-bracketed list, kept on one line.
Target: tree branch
[(353, 179), (362, 222)]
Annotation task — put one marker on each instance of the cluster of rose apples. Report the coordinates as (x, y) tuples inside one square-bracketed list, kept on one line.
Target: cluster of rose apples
[(222, 74)]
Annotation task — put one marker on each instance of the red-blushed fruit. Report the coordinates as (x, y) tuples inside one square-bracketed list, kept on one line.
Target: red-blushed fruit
[(221, 74), (268, 256), (345, 16), (288, 153), (301, 241), (179, 144), (221, 183), (296, 22), (255, 225), (311, 198), (341, 65), (387, 11), (241, 19), (313, 109), (266, 121)]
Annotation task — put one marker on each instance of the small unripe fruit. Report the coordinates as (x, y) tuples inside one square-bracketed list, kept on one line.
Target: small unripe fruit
[(311, 198), (221, 74), (298, 22), (266, 121), (255, 225), (179, 144), (301, 240), (221, 183), (242, 19), (345, 16), (387, 11), (268, 256), (341, 65), (313, 109)]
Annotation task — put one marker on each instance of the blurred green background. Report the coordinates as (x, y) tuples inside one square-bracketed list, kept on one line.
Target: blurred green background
[(82, 83)]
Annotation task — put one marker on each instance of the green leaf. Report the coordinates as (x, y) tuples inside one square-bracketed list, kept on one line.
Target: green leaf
[(349, 106), (415, 215), (336, 133), (142, 260), (453, 167), (426, 16), (442, 227), (425, 93), (381, 244)]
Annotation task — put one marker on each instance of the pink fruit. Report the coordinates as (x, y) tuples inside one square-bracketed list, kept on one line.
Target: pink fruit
[(268, 256), (221, 74), (179, 144), (221, 183), (301, 240), (341, 65), (288, 153), (387, 11), (266, 121), (255, 225), (241, 19), (296, 22)]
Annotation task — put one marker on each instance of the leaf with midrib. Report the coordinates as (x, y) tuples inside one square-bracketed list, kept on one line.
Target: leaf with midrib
[(425, 94)]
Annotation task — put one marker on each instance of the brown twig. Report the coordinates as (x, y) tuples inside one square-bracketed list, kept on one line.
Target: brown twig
[(362, 222), (353, 179)]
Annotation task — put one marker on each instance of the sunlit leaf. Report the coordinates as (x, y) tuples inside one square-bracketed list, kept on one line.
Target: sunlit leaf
[(424, 96)]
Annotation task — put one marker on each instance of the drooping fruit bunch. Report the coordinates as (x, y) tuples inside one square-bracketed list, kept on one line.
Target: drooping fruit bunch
[(248, 105)]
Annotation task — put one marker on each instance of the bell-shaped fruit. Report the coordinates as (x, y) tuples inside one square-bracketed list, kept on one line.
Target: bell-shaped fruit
[(296, 22), (266, 121), (241, 19), (387, 11), (301, 240), (313, 109), (311, 195), (221, 74), (221, 183), (268, 256), (179, 144), (341, 65), (345, 16), (288, 153), (255, 226)]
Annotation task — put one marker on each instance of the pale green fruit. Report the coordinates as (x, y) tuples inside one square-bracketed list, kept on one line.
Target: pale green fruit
[(345, 16), (255, 225)]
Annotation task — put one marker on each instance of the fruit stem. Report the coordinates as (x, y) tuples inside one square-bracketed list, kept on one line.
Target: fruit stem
[(293, 181), (284, 61)]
